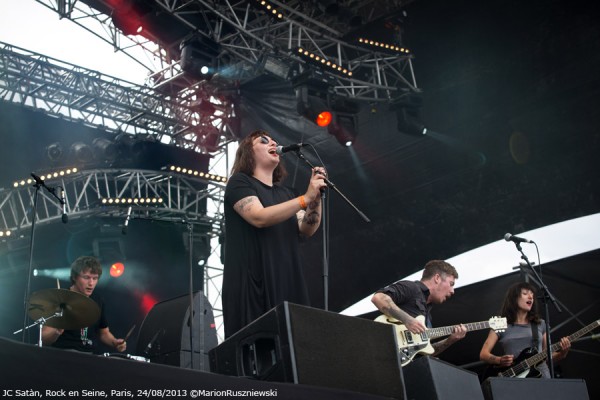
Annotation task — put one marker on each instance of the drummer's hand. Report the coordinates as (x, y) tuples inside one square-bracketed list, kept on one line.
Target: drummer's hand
[(120, 345)]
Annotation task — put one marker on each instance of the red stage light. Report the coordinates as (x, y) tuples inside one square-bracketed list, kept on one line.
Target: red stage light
[(323, 119), (117, 269)]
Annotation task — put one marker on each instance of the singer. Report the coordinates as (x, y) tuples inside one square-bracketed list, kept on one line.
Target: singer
[(264, 221)]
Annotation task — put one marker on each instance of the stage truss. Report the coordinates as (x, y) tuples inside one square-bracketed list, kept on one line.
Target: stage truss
[(185, 200)]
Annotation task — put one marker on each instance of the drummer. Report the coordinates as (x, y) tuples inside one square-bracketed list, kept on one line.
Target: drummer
[(85, 272)]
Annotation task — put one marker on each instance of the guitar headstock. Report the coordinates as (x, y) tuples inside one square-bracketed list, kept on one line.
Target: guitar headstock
[(498, 324)]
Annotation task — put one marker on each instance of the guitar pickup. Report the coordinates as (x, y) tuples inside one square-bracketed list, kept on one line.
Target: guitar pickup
[(409, 337)]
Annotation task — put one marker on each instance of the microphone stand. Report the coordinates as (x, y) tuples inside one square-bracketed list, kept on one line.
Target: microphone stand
[(545, 295), (38, 184), (332, 186)]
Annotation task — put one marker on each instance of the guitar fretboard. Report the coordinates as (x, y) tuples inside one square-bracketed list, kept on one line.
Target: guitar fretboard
[(447, 330), (534, 360)]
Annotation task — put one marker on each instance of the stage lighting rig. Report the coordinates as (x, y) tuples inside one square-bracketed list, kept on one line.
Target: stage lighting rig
[(195, 173), (323, 62), (46, 177)]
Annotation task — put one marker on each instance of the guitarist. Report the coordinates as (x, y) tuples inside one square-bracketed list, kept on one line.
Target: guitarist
[(523, 320), (405, 300)]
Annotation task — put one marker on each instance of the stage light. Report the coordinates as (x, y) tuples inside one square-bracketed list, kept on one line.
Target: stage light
[(409, 122), (81, 152), (199, 57), (54, 152), (46, 177), (408, 113), (105, 149), (384, 46), (195, 173), (5, 233), (343, 128), (117, 269), (312, 107), (127, 201), (322, 62)]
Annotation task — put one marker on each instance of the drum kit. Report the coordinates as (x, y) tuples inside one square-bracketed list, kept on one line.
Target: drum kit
[(61, 309), (66, 309)]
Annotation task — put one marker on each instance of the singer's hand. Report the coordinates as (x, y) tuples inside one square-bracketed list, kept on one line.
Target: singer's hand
[(316, 184)]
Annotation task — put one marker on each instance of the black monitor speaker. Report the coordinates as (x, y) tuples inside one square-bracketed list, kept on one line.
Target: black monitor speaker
[(165, 333), (299, 344)]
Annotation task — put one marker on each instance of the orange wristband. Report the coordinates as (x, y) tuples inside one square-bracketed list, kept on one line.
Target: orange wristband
[(302, 202)]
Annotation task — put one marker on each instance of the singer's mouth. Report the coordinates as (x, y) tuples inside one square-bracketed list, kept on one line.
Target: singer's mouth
[(272, 151)]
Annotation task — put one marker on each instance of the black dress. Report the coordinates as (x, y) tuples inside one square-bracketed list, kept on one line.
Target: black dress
[(262, 265)]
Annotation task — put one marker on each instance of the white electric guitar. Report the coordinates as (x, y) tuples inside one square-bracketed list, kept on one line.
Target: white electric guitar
[(410, 344)]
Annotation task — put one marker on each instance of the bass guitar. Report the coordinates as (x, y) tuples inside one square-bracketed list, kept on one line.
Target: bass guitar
[(525, 364), (410, 344)]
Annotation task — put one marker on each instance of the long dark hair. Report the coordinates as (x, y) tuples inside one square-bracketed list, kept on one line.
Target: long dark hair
[(244, 158), (511, 305)]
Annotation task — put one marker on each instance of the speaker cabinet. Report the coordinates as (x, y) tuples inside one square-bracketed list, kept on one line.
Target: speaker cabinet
[(534, 389), (293, 343), (428, 378), (165, 333)]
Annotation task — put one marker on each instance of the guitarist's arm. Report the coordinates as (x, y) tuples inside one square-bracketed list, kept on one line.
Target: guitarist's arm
[(386, 305), (459, 332), (486, 355)]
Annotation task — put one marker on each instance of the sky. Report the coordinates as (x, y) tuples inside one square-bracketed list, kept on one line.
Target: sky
[(32, 26)]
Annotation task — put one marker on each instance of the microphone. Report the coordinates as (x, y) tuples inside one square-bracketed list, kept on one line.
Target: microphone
[(38, 180), (63, 202), (512, 238), (290, 147), (124, 230)]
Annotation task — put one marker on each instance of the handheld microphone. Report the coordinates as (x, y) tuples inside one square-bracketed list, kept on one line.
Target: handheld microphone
[(512, 238), (290, 147), (124, 230), (63, 202)]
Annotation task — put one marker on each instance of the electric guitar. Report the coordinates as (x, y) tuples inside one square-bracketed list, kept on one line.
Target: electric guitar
[(410, 344), (525, 365)]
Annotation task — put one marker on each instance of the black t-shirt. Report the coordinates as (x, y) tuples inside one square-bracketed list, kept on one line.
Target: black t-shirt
[(262, 265), (84, 339), (411, 297)]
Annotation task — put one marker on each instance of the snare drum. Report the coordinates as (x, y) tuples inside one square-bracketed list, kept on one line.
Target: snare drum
[(126, 356)]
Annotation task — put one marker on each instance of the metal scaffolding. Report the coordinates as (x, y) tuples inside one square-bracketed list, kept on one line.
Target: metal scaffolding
[(248, 34), (183, 199)]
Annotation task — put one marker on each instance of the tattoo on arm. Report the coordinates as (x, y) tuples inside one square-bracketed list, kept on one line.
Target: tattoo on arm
[(312, 217), (244, 204), (314, 204)]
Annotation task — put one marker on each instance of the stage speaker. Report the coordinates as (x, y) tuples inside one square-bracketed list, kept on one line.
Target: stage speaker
[(165, 333), (534, 389), (428, 378), (293, 343)]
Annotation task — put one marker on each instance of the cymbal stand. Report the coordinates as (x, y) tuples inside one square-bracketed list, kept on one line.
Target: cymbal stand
[(40, 322)]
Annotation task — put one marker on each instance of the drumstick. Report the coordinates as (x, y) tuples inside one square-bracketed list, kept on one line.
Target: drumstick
[(57, 283), (129, 333)]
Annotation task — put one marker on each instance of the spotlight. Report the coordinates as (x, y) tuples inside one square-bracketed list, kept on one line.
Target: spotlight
[(81, 152), (54, 151), (408, 113), (128, 17), (312, 107), (105, 149), (409, 122), (199, 57), (343, 129)]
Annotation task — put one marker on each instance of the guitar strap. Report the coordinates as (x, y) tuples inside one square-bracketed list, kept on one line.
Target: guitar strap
[(535, 335)]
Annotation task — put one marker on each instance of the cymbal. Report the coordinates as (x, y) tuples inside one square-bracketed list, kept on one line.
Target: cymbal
[(79, 311)]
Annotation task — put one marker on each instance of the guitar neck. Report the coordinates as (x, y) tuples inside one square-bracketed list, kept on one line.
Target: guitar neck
[(447, 330), (556, 346)]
